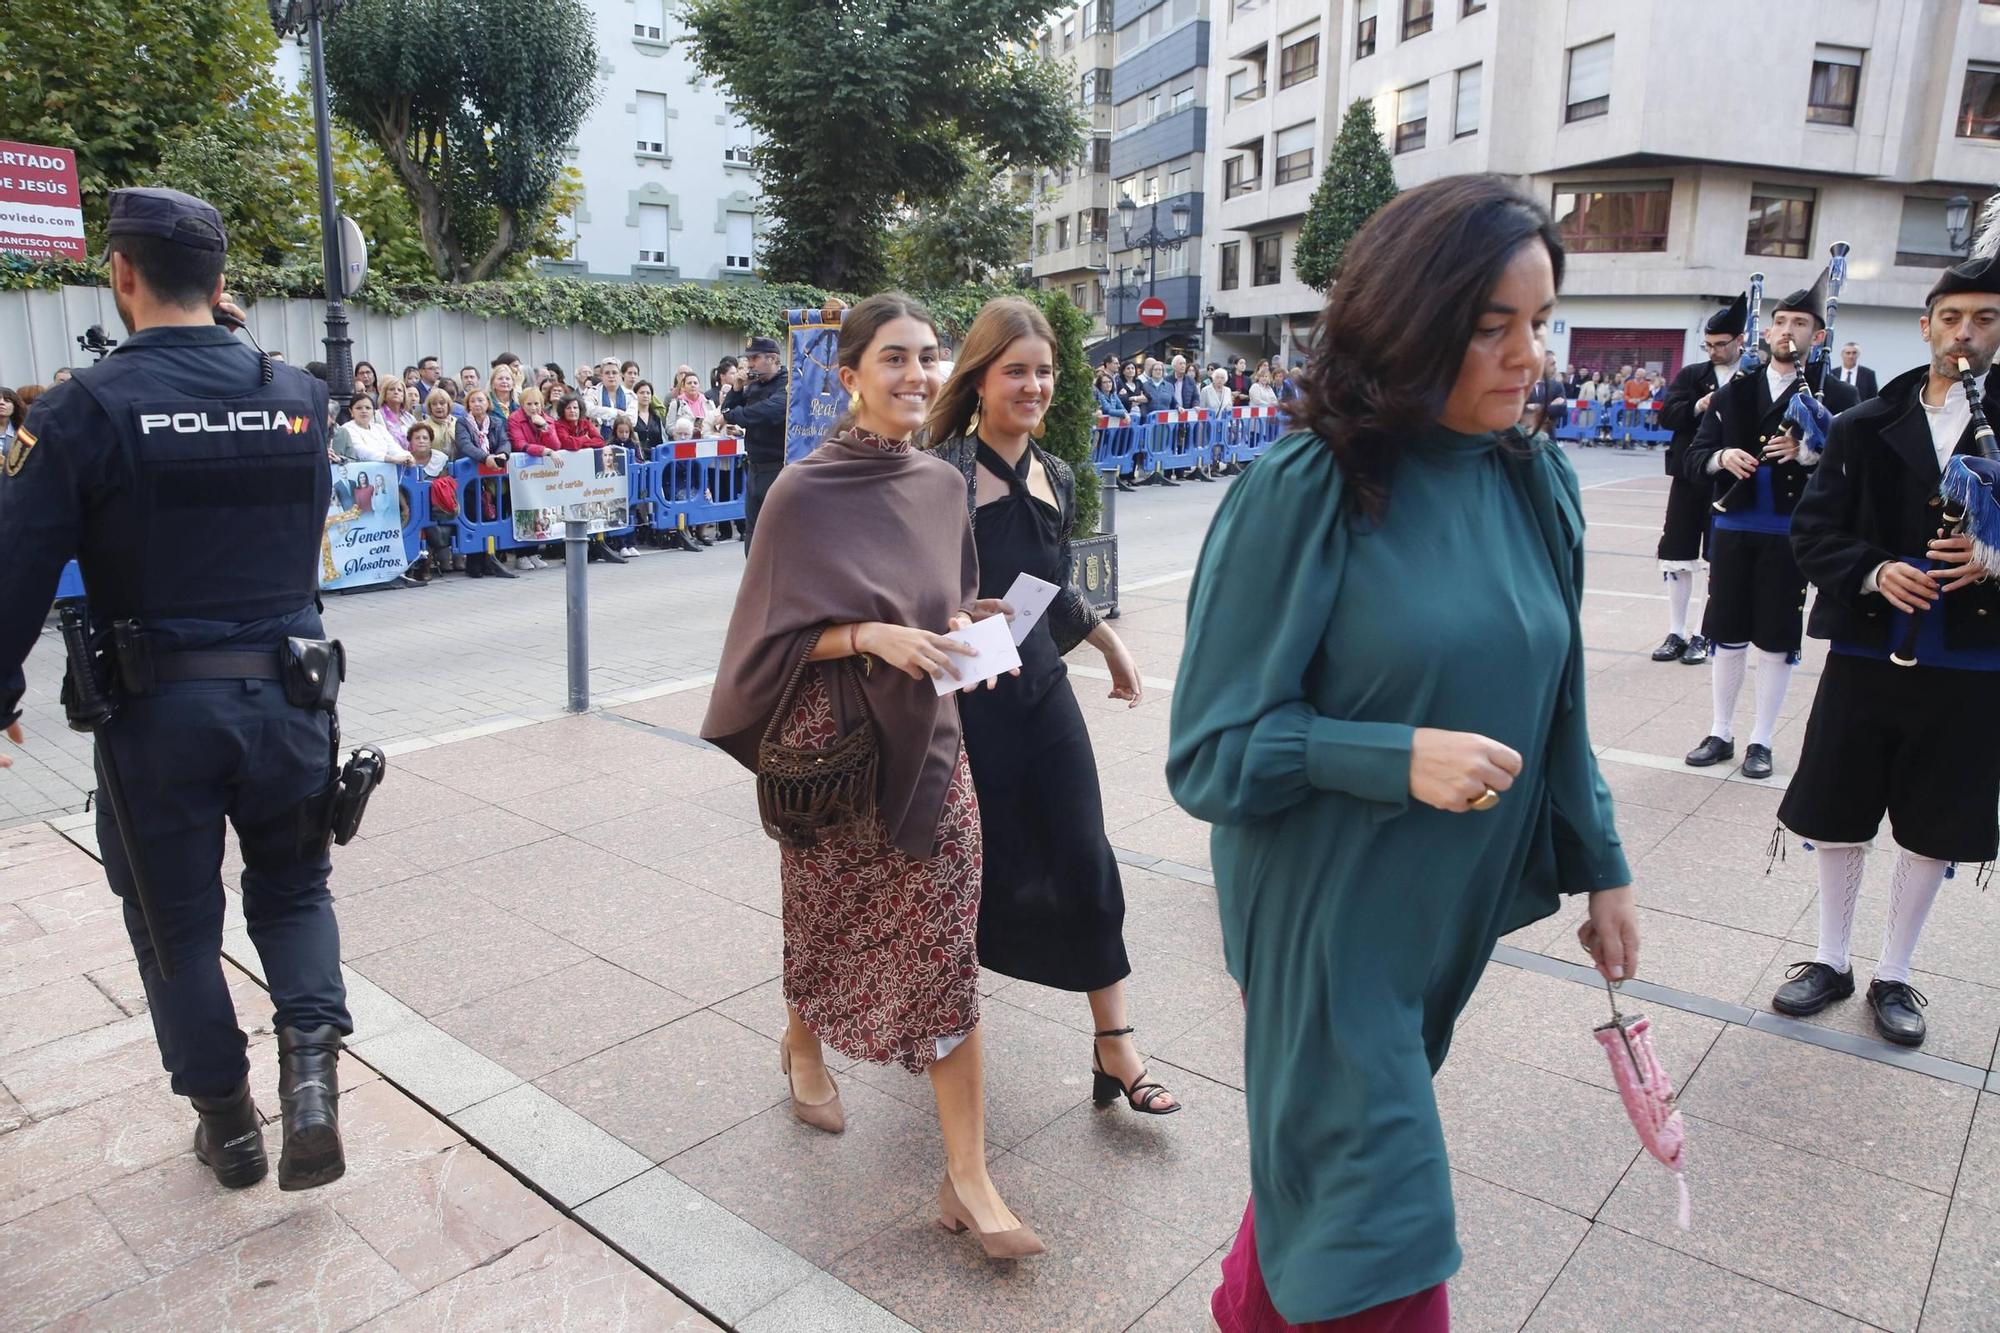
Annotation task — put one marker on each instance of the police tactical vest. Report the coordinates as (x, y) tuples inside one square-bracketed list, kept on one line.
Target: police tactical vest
[(224, 505)]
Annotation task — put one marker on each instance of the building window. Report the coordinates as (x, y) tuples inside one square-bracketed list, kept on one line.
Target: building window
[(1781, 218), (1100, 154), (739, 144), (1629, 217), (1069, 35), (1413, 109), (1182, 99), (1246, 85), (1179, 181), (1293, 154), (1417, 16), (1979, 103), (736, 254), (1923, 241), (1836, 82), (649, 19), (1244, 172), (1094, 223), (1589, 81), (1265, 261), (1465, 102), (1096, 86), (1062, 233), (1472, 7), (654, 223), (1364, 29), (652, 124), (1076, 294), (1232, 266), (1042, 238), (1298, 61)]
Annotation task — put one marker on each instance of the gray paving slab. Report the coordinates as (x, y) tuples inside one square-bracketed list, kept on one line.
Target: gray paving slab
[(566, 1156), (434, 1067)]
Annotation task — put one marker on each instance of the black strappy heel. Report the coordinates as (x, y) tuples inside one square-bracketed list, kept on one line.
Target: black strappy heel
[(1143, 1096)]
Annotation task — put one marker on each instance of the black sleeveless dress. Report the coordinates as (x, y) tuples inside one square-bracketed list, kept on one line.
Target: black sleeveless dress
[(1052, 909)]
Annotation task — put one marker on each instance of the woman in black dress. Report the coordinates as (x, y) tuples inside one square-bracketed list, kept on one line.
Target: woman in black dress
[(1052, 910)]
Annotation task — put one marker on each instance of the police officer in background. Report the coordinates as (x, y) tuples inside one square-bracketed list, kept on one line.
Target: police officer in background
[(758, 410), (188, 475)]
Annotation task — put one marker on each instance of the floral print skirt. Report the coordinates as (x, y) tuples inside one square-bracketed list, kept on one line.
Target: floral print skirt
[(880, 948)]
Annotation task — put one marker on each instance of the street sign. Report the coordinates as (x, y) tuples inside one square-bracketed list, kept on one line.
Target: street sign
[(41, 208), (353, 255), (1152, 312)]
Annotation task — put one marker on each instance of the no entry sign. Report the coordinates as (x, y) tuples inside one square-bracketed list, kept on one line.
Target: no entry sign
[(41, 208), (1152, 312)]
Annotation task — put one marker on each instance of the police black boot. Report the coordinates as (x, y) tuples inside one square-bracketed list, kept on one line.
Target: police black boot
[(229, 1139), (309, 1093)]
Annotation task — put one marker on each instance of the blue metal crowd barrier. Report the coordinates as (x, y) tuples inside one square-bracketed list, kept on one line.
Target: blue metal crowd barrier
[(1612, 423), (1176, 439), (1112, 445)]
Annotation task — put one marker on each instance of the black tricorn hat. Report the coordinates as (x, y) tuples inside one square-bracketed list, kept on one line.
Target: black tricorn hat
[(1732, 318), (1974, 275), (1812, 300)]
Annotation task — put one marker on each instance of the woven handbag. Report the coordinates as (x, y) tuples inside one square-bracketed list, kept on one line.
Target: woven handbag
[(799, 791)]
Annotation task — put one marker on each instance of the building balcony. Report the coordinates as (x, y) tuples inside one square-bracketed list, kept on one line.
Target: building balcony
[(1180, 135), (1182, 295), (1177, 52)]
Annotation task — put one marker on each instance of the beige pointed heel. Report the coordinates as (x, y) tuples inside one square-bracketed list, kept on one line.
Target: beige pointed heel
[(1020, 1243), (827, 1115)]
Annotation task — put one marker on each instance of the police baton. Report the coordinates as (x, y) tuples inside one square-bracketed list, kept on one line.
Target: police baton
[(89, 711)]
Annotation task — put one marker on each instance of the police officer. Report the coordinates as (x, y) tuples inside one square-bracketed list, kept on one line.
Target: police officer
[(758, 408), (188, 476)]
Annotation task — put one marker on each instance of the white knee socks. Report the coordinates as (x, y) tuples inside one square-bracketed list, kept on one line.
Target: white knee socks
[(1839, 890), (1726, 662), (1680, 590), (1913, 887), (1774, 673)]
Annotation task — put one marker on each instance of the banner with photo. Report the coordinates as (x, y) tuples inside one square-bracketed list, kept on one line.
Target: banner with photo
[(815, 399), (363, 541), (590, 484)]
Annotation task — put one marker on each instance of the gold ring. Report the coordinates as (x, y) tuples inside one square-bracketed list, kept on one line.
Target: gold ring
[(1487, 800)]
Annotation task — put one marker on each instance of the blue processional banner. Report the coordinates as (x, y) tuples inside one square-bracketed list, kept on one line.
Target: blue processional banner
[(815, 399), (363, 543)]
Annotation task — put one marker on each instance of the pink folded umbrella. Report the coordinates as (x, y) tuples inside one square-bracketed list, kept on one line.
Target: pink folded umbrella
[(1647, 1092)]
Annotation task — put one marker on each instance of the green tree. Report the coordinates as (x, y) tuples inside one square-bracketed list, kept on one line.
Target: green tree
[(121, 81), (976, 235), (471, 104), (867, 105), (1358, 179)]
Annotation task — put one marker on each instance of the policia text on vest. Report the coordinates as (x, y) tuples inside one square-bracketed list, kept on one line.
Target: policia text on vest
[(187, 475)]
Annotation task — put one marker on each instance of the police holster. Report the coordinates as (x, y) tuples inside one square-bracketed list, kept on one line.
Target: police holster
[(312, 670)]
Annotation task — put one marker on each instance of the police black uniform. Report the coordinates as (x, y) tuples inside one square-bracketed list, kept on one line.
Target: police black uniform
[(1684, 533), (187, 474), (1756, 594), (759, 408)]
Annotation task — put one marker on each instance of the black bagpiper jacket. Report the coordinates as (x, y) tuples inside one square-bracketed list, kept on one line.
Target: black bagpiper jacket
[(1744, 416), (1875, 498)]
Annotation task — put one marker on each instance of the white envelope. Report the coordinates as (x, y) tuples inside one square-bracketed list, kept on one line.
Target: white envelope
[(996, 655), (1030, 597)]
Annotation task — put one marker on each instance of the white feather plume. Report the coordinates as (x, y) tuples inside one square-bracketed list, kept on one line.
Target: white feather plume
[(1986, 237)]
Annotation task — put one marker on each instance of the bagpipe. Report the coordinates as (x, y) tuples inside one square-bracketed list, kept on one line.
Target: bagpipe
[(1967, 490), (1806, 417)]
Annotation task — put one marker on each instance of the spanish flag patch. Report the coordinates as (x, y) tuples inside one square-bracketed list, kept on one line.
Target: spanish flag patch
[(18, 451)]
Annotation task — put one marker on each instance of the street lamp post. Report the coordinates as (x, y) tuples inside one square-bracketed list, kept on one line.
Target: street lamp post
[(310, 17), (1154, 240), (1957, 212)]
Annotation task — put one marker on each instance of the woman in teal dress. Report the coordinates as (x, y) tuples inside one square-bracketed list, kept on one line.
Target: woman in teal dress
[(1380, 710)]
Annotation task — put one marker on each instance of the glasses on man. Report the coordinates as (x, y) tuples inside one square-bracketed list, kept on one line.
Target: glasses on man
[(1717, 344)]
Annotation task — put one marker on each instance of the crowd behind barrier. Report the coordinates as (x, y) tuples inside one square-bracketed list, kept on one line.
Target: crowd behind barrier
[(1614, 424), (1186, 439)]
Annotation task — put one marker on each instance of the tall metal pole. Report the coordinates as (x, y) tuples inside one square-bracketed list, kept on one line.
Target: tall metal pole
[(339, 347), (576, 607)]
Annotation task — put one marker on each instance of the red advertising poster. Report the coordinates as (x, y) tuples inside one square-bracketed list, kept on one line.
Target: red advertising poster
[(41, 208)]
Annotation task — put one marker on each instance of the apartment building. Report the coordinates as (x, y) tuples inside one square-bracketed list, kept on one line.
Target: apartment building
[(670, 185), (1675, 166), (1068, 248)]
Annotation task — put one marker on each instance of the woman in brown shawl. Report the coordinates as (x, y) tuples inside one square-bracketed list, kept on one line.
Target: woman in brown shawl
[(868, 553)]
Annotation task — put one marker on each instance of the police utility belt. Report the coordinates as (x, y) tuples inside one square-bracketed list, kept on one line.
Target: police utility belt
[(310, 671)]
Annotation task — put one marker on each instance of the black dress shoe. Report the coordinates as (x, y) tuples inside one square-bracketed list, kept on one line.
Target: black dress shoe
[(1895, 1004), (309, 1092), (1712, 750), (1697, 652), (1670, 648), (1813, 986), (229, 1139), (1756, 761)]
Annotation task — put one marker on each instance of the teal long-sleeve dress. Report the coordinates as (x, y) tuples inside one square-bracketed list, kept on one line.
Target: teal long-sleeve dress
[(1356, 919)]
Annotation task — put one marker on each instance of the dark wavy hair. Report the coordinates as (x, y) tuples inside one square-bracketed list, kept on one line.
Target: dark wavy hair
[(1413, 284)]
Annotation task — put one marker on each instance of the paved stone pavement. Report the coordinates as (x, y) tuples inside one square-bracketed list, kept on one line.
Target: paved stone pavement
[(563, 941)]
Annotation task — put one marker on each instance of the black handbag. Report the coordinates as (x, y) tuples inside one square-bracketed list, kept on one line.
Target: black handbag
[(802, 791)]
